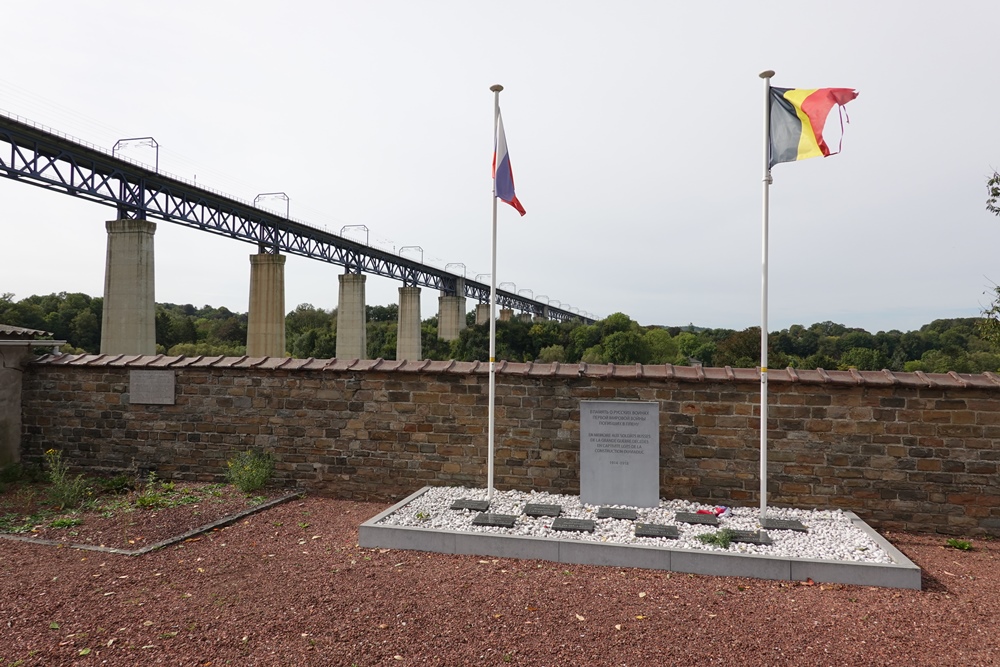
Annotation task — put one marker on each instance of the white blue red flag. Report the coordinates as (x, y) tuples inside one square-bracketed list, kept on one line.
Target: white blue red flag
[(503, 176)]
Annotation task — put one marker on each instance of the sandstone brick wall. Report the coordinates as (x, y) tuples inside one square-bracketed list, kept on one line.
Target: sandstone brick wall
[(905, 451)]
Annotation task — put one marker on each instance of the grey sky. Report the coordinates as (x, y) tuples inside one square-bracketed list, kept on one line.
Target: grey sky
[(634, 131)]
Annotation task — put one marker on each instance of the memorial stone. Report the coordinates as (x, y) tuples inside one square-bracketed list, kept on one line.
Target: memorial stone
[(617, 513), (656, 530), (620, 453), (495, 520), (469, 504), (573, 525), (151, 387), (694, 517), (783, 524), (542, 510)]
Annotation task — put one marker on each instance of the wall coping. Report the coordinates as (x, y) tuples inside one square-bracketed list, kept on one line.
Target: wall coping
[(851, 377)]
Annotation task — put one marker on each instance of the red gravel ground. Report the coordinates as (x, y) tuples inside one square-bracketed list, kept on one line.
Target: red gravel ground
[(289, 586)]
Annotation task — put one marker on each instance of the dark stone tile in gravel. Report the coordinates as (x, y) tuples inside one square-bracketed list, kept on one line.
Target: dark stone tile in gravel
[(469, 504), (693, 517), (581, 525), (534, 509), (784, 524), (752, 537), (656, 530), (496, 520)]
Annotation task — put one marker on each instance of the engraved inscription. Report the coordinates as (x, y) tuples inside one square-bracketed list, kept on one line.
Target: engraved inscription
[(151, 387), (619, 453)]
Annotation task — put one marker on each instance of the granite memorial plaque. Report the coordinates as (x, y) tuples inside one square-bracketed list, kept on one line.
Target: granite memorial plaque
[(578, 525), (752, 537), (620, 453), (656, 530), (151, 387), (617, 513), (694, 517), (495, 520), (783, 524), (542, 510), (469, 504)]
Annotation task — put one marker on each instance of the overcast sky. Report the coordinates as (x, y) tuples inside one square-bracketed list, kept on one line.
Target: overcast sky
[(634, 129)]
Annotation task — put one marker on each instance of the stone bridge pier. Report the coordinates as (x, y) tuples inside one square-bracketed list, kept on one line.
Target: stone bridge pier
[(128, 323)]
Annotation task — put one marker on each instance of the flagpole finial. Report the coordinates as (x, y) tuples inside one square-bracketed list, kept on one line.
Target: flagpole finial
[(767, 74), (496, 87)]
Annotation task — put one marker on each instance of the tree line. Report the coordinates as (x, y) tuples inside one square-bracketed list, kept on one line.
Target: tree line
[(963, 344)]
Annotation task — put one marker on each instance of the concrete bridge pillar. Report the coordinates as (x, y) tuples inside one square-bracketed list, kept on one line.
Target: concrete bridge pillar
[(451, 313), (128, 324), (352, 329), (482, 313), (408, 334), (506, 314), (266, 319)]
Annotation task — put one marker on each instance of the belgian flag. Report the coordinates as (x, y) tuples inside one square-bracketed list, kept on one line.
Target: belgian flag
[(797, 117)]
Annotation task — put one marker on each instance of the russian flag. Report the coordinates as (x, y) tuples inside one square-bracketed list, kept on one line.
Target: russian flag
[(503, 176)]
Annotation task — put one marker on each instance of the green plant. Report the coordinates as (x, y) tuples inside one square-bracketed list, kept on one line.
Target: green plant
[(11, 473), (150, 497), (118, 484), (249, 470), (65, 492), (721, 538), (423, 516), (66, 522), (961, 545)]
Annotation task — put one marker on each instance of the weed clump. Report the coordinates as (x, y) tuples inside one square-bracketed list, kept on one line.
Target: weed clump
[(721, 539), (249, 471), (66, 492)]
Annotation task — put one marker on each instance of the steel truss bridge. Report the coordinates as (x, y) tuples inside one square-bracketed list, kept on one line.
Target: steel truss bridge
[(39, 156)]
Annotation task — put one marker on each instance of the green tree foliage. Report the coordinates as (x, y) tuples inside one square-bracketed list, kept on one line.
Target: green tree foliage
[(740, 349), (473, 344), (552, 353), (989, 325), (382, 337), (388, 313), (73, 317), (311, 332), (626, 347), (943, 345), (662, 348), (863, 359)]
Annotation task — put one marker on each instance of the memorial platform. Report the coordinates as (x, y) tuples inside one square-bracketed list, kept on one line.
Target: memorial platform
[(900, 573)]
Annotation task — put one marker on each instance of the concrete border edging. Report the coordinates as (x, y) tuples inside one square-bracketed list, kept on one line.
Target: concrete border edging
[(901, 573)]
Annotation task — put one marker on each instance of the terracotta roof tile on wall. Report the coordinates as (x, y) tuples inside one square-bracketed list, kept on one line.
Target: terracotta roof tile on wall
[(667, 372)]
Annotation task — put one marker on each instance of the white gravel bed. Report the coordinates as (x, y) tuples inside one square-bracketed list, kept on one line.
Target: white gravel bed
[(830, 536)]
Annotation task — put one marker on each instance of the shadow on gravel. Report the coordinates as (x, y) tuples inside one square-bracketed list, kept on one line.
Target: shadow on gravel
[(932, 584)]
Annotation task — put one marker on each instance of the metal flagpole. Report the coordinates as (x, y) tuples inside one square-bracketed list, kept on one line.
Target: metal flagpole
[(493, 301), (766, 76)]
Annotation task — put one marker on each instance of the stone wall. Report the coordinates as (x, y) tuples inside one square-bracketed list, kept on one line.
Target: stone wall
[(905, 450)]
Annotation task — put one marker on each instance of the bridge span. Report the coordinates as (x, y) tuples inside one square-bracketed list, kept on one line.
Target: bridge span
[(40, 156)]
